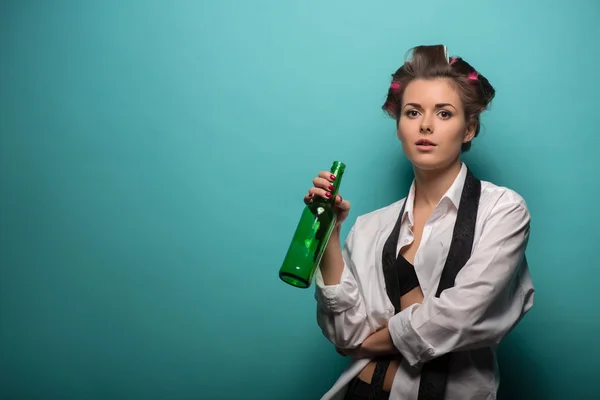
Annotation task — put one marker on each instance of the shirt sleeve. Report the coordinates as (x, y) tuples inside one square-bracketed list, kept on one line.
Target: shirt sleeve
[(341, 311), (492, 292)]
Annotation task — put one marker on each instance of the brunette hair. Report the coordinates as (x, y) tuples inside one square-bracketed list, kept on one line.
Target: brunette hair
[(430, 62)]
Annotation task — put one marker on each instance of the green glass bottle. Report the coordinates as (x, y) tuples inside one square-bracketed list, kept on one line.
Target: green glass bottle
[(311, 237)]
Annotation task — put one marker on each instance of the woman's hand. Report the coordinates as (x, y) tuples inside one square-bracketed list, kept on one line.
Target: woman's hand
[(322, 186)]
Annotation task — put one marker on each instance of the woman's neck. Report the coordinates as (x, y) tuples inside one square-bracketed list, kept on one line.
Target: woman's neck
[(431, 185)]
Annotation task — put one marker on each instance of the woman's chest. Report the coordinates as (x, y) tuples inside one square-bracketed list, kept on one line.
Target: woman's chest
[(426, 247)]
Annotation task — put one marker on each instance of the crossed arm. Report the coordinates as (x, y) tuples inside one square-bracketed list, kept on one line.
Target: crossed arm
[(380, 342)]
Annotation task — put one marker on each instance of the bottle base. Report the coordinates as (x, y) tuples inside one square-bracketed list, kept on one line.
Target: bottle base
[(294, 280)]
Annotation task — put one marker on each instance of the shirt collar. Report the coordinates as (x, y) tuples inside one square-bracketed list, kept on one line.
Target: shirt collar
[(455, 191), (453, 194), (409, 204)]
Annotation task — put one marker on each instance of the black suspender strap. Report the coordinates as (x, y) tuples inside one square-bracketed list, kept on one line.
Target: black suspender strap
[(392, 286)]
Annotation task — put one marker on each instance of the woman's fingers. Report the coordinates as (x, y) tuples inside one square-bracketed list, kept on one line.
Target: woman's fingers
[(323, 183), (315, 191), (323, 187), (327, 176)]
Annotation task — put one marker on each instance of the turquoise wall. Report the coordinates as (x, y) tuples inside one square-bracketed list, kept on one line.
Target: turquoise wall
[(154, 156)]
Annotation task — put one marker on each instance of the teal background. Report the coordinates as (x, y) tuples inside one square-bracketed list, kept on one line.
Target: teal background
[(154, 156)]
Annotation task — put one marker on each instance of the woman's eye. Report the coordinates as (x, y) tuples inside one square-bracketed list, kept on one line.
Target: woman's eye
[(445, 114), (412, 113)]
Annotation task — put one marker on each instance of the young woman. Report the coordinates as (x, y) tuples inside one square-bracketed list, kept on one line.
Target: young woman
[(425, 288)]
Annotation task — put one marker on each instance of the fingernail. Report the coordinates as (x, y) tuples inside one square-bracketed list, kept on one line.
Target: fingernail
[(310, 195), (327, 194), (333, 178), (331, 187)]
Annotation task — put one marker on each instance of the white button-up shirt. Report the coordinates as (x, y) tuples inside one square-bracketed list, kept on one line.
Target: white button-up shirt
[(492, 292)]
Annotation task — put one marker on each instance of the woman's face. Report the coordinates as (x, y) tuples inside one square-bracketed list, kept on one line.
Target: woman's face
[(432, 125)]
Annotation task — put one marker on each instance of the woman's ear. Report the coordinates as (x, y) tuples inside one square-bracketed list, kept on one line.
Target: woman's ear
[(470, 132)]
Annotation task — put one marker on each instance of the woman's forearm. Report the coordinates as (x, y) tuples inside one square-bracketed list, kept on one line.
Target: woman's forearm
[(380, 342), (332, 262)]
